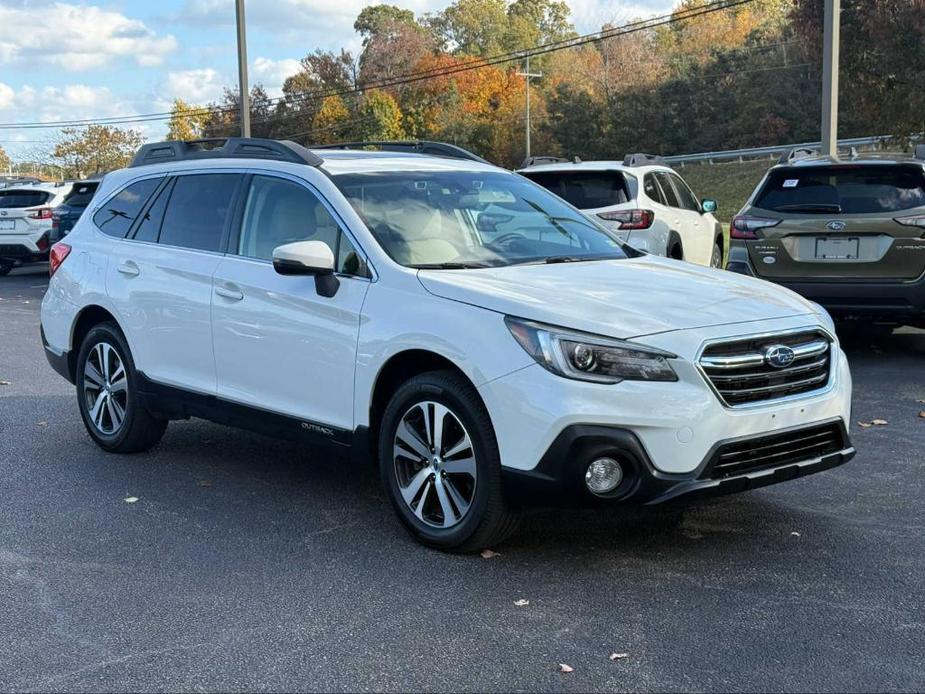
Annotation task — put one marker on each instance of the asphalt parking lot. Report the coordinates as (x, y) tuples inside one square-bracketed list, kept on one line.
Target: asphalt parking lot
[(252, 564)]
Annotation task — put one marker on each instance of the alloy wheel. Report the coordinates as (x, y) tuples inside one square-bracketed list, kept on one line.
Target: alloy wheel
[(435, 464), (716, 260), (105, 387)]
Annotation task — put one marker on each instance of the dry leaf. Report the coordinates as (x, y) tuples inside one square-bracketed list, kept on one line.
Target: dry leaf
[(795, 533), (43, 424), (204, 483), (5, 383), (521, 603), (922, 414), (619, 656), (879, 422), (131, 499), (921, 402), (565, 668), (488, 554), (865, 425)]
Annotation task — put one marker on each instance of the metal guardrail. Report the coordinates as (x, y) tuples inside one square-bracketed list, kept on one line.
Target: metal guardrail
[(875, 142)]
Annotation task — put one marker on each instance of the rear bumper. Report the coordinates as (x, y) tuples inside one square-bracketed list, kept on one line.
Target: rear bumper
[(559, 478), (881, 299), (22, 247), (61, 363)]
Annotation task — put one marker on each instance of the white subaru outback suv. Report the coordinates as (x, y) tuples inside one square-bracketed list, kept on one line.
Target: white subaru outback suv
[(647, 204), (26, 222), (389, 302)]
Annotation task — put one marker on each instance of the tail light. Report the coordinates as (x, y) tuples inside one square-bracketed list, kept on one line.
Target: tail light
[(913, 221), (58, 253), (40, 213), (745, 227), (42, 243), (629, 219)]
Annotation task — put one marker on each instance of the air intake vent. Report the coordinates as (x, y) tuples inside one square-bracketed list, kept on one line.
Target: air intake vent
[(768, 367)]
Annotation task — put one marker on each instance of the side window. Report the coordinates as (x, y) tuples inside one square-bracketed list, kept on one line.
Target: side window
[(671, 199), (652, 191), (115, 218), (197, 211), (149, 227), (278, 212), (687, 197), (349, 262)]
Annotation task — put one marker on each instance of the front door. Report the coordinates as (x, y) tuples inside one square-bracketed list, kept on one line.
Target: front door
[(279, 345)]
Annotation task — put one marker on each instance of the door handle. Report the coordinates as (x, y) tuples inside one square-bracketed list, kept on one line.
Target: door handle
[(230, 293), (129, 268)]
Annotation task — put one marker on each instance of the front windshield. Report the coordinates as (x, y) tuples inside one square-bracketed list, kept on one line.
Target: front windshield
[(458, 219)]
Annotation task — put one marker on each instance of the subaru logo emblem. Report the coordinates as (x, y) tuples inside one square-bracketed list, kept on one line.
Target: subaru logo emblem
[(835, 225), (779, 356)]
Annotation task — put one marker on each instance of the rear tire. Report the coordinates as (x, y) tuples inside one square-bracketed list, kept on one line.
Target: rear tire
[(107, 394), (716, 258), (440, 466)]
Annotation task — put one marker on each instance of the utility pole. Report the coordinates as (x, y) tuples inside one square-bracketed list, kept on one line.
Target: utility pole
[(244, 93), (526, 74), (830, 45)]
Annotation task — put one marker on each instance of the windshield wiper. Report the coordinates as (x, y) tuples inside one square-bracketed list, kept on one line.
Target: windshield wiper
[(449, 266), (810, 207)]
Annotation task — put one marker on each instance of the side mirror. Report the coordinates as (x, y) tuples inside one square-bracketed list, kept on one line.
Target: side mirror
[(308, 258), (708, 205)]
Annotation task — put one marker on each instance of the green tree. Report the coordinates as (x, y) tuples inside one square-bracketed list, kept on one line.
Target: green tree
[(187, 122), (5, 162), (472, 27), (332, 122), (380, 117), (95, 149), (373, 19)]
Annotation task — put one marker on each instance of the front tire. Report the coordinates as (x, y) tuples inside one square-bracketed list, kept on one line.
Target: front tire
[(107, 394), (716, 258), (440, 466)]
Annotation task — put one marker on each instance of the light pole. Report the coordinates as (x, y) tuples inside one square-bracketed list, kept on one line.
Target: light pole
[(526, 74), (830, 41), (244, 94)]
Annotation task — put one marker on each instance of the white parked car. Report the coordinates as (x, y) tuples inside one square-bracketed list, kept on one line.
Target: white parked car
[(647, 204), (388, 302), (26, 221)]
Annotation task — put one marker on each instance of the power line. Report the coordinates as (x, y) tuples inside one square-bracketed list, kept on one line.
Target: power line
[(461, 66)]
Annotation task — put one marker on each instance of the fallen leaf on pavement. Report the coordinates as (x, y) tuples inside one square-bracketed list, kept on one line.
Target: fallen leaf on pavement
[(619, 656), (922, 415), (865, 425), (5, 383), (131, 499), (565, 668), (795, 533), (488, 554), (921, 402), (43, 424), (879, 422), (521, 603), (204, 483)]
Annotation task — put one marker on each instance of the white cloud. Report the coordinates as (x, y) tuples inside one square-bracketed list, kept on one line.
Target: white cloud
[(273, 73), (7, 96), (77, 37), (196, 86)]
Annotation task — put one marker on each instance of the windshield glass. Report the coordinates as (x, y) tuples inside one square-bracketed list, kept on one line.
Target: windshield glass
[(472, 219), (844, 189)]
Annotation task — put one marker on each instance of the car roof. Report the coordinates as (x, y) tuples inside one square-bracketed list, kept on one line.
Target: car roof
[(43, 187), (602, 165), (343, 161), (867, 160)]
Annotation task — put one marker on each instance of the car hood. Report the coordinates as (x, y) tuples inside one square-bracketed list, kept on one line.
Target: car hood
[(619, 298)]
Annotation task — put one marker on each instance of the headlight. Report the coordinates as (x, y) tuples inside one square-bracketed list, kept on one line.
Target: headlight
[(587, 357)]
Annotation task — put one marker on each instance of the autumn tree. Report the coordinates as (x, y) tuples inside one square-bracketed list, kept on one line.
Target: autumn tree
[(5, 162), (380, 117), (95, 149), (332, 121), (187, 122)]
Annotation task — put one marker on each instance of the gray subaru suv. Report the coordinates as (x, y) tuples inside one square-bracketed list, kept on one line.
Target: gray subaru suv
[(847, 233)]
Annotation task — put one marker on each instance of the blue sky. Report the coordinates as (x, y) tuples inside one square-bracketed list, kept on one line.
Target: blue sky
[(69, 59)]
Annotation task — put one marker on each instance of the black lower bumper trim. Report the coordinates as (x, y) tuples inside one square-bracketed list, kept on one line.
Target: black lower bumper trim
[(558, 480), (61, 363)]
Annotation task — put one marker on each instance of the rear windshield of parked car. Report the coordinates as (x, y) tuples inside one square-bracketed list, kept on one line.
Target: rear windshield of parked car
[(13, 199), (472, 219), (844, 189), (586, 190), (81, 194)]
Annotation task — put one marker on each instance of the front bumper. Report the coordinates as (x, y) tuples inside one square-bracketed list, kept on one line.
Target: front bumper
[(558, 480), (889, 300)]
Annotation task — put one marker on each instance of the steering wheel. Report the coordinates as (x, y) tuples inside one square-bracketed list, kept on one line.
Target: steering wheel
[(506, 239)]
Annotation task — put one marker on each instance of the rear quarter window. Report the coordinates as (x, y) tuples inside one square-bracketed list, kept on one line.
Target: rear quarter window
[(116, 217), (586, 190), (846, 189), (14, 199)]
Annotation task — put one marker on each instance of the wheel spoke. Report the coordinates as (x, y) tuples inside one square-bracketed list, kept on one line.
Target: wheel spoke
[(93, 376), (463, 445), (428, 428), (119, 373), (461, 466), (411, 440), (116, 413), (97, 409), (461, 504), (439, 416), (104, 358), (449, 513), (119, 386), (414, 486), (419, 511)]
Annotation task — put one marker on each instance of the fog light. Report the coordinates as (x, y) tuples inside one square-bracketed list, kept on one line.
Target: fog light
[(603, 475)]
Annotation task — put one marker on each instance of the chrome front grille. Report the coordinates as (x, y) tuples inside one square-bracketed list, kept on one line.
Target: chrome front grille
[(776, 450), (751, 370)]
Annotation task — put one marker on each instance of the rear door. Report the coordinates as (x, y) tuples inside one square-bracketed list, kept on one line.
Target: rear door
[(160, 277), (840, 222), (696, 233)]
